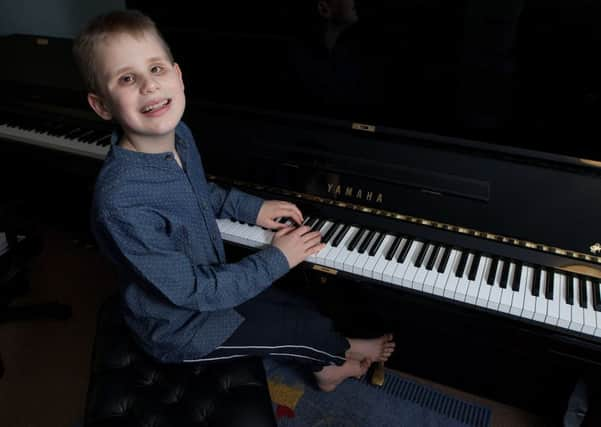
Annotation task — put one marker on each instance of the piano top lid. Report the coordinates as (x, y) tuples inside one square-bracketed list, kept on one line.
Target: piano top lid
[(39, 60)]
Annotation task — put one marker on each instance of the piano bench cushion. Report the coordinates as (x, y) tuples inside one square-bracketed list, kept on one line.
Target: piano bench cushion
[(129, 388)]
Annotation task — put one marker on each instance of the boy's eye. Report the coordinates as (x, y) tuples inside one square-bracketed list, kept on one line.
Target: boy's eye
[(128, 78), (155, 69)]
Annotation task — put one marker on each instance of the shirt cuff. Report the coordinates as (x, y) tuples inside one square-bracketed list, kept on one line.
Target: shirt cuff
[(277, 260), (248, 209)]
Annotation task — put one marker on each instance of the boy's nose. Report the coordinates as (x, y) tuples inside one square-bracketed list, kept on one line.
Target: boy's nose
[(149, 85)]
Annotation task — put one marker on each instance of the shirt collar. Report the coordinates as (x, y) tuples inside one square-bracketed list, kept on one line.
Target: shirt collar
[(150, 159)]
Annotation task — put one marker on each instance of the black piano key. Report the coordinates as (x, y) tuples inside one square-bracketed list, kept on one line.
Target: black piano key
[(376, 246), (365, 243), (421, 254), (570, 289), (492, 272), (104, 141), (314, 220), (517, 276), (338, 238), (330, 233), (433, 255), (596, 295), (583, 300), (318, 225), (393, 247), (444, 259), (461, 266), (356, 239), (504, 274), (405, 250), (471, 275), (549, 284), (536, 281)]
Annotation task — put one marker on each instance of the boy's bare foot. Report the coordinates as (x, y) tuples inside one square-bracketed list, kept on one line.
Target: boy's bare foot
[(376, 349), (331, 376)]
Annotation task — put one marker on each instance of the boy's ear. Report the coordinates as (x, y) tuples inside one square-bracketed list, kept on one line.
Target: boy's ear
[(179, 74), (99, 106)]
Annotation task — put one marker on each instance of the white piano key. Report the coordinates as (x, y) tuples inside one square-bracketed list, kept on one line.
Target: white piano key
[(364, 257), (565, 310), (411, 269), (577, 322), (401, 268), (473, 288), (451, 285), (420, 276), (432, 276), (343, 252), (389, 269), (485, 288), (442, 278), (353, 256), (529, 299), (540, 309), (463, 282), (319, 257), (507, 292), (378, 270), (590, 320), (553, 304), (517, 304), (369, 269), (494, 299)]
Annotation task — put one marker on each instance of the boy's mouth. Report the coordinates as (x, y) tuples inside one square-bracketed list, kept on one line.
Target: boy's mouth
[(156, 105)]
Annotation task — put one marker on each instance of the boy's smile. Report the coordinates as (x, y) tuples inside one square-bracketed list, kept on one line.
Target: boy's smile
[(141, 89)]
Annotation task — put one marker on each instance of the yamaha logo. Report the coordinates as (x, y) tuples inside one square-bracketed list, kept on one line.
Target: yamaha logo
[(355, 193)]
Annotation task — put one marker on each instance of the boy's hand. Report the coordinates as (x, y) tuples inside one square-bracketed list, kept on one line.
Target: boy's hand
[(272, 209), (297, 243)]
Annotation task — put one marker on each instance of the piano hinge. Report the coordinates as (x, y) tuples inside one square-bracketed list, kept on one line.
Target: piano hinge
[(364, 127), (327, 270)]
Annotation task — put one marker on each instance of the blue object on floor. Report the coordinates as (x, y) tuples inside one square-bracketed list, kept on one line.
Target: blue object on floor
[(356, 403)]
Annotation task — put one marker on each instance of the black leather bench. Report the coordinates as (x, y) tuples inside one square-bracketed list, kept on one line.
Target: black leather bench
[(127, 388)]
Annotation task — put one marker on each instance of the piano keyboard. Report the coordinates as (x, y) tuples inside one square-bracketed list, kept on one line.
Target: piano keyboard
[(537, 293), (56, 135)]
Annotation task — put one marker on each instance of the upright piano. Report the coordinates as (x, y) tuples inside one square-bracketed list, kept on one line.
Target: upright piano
[(459, 207)]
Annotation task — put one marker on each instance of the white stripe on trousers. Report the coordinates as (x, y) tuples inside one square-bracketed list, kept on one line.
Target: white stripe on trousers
[(271, 353)]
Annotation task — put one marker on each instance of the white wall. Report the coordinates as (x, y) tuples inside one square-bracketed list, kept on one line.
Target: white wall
[(52, 18)]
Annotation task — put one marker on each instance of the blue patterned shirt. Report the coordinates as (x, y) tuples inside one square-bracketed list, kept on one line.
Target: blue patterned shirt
[(157, 223)]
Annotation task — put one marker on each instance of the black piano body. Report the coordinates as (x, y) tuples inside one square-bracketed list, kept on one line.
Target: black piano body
[(516, 221)]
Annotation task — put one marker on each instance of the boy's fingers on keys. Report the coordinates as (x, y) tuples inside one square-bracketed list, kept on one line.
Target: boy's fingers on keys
[(313, 235), (304, 229), (316, 248), (283, 231)]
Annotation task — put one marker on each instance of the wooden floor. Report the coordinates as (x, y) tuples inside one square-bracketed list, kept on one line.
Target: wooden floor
[(47, 361)]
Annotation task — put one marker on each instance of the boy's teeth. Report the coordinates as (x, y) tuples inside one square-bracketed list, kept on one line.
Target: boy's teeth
[(154, 106)]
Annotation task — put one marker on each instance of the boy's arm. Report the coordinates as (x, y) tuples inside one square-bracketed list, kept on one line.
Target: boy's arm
[(233, 203), (139, 243)]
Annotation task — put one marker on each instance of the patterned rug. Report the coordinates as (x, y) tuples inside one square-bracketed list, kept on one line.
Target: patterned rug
[(357, 403)]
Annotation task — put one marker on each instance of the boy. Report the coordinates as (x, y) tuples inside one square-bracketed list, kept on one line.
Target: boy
[(153, 215)]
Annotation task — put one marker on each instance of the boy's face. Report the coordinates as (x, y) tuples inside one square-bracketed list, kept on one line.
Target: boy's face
[(139, 86)]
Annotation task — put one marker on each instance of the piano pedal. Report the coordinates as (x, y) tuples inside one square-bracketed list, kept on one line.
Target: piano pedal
[(377, 376)]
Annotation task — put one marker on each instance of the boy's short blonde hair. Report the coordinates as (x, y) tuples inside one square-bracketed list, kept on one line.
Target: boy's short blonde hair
[(131, 22)]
